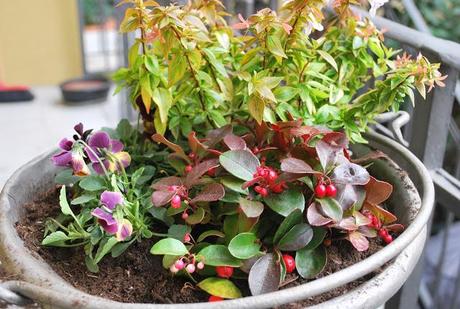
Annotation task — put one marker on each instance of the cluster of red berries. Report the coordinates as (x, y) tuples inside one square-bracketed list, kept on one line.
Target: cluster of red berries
[(266, 181), (323, 190), (289, 262), (188, 168), (189, 263), (376, 224)]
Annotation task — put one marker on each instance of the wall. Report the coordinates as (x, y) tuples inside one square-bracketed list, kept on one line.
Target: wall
[(39, 41)]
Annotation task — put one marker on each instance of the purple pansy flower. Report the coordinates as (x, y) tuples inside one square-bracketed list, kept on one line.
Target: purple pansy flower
[(122, 229), (111, 199), (71, 155), (108, 151)]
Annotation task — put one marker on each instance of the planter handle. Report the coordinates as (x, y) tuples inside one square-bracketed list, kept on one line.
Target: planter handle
[(395, 120), (11, 297)]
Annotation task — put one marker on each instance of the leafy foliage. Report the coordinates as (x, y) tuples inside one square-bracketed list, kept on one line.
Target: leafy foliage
[(194, 71)]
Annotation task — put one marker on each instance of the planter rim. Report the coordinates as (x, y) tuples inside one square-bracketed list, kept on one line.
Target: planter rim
[(293, 294)]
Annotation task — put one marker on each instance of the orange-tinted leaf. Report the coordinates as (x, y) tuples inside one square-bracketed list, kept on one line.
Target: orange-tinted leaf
[(377, 191), (384, 215), (174, 147)]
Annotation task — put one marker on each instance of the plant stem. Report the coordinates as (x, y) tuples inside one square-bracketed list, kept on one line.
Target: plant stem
[(97, 157)]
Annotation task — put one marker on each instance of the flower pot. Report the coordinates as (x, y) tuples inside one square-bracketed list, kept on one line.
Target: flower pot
[(85, 89), (412, 202)]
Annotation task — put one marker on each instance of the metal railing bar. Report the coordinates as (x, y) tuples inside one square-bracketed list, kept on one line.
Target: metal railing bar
[(438, 275), (447, 190), (416, 17)]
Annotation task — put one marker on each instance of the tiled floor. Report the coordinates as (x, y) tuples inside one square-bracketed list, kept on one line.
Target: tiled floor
[(31, 128)]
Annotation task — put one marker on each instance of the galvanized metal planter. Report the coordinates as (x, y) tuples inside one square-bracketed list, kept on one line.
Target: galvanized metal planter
[(411, 201)]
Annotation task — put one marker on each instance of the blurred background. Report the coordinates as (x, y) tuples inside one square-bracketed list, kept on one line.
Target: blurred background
[(56, 58)]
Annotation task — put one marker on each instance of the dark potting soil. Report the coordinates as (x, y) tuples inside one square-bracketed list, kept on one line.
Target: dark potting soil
[(138, 276)]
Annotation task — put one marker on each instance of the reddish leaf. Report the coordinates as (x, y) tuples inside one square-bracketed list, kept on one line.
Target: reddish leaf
[(215, 136), (361, 219), (234, 142), (397, 228), (358, 241), (210, 193), (194, 175), (377, 191), (327, 154), (195, 145), (164, 183), (384, 215), (336, 139), (367, 231), (174, 147), (265, 274), (350, 173), (315, 218), (296, 166), (251, 182), (349, 195), (160, 198), (348, 224)]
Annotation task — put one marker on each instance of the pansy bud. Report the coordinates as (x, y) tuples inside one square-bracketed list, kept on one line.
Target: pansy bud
[(125, 229)]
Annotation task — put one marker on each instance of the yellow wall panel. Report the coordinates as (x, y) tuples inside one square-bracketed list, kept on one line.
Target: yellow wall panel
[(39, 41)]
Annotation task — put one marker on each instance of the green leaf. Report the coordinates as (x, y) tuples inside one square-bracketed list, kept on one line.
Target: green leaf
[(326, 56), (121, 247), (169, 246), (55, 239), (196, 217), (219, 255), (65, 208), (252, 209), (318, 236), (295, 217), (296, 238), (210, 233), (239, 163), (220, 287), (310, 263), (284, 203), (256, 107), (146, 92), (85, 198), (331, 208), (176, 69), (234, 184), (177, 231), (285, 93), (104, 247), (163, 100), (92, 183), (244, 246), (66, 177), (215, 63), (274, 46)]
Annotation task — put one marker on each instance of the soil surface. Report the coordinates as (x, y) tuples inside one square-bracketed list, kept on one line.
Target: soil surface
[(138, 276)]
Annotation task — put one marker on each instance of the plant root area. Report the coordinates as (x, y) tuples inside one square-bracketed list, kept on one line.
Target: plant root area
[(138, 276)]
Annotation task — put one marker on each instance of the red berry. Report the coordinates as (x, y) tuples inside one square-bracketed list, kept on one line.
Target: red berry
[(264, 192), (188, 168), (388, 239), (258, 189), (327, 242), (187, 237), (192, 155), (383, 233), (375, 221), (272, 175), (331, 190), (261, 171), (255, 150), (320, 191), (213, 298), (184, 215), (289, 262), (176, 201), (212, 172), (224, 271), (278, 188)]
